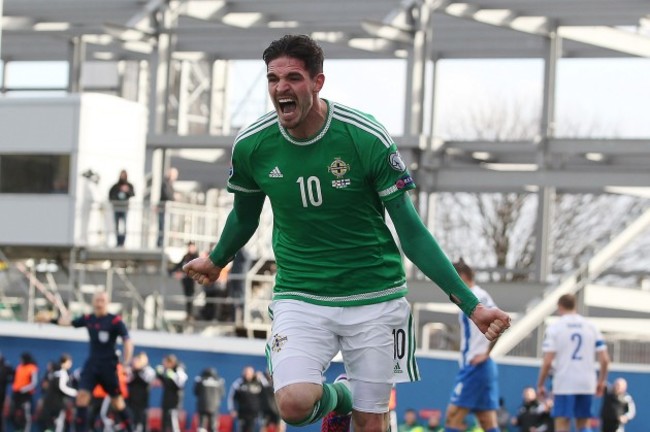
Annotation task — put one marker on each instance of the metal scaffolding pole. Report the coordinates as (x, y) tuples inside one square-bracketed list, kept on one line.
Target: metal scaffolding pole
[(76, 57), (546, 195)]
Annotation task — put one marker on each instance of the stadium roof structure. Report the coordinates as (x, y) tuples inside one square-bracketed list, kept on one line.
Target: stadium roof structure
[(159, 32), (240, 29)]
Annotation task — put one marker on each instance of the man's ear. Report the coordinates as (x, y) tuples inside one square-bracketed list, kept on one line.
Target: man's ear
[(319, 81)]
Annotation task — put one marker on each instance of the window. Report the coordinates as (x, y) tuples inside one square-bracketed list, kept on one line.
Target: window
[(34, 174)]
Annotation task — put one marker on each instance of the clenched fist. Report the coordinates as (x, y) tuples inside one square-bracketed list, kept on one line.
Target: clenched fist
[(492, 322), (202, 270)]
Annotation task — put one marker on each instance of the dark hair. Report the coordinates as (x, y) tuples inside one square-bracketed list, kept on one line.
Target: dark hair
[(300, 47), (567, 301), (27, 358), (64, 358), (463, 269)]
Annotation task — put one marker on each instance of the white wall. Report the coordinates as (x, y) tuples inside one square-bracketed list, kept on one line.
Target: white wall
[(112, 137), (99, 132)]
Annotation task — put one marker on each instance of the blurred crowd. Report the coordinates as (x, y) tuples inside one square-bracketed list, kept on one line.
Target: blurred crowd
[(533, 415), (37, 399)]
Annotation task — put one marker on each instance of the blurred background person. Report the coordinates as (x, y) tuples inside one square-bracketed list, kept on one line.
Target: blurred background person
[(271, 420), (119, 195), (24, 387), (433, 424), (167, 193), (245, 399), (528, 416), (235, 285), (618, 407), (139, 379), (209, 389), (59, 390), (410, 423), (172, 378), (187, 282), (6, 377)]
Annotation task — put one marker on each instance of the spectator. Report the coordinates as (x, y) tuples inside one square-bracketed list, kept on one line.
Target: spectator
[(215, 292), (618, 407), (245, 399), (58, 390), (187, 282), (209, 389), (24, 387), (6, 377), (410, 422), (272, 422), (235, 283), (172, 377), (529, 414), (119, 195), (139, 379), (433, 424), (167, 193), (546, 422)]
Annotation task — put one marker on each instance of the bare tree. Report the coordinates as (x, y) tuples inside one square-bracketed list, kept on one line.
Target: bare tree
[(497, 230)]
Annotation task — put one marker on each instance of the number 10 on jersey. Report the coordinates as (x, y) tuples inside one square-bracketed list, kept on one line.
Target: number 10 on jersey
[(310, 191)]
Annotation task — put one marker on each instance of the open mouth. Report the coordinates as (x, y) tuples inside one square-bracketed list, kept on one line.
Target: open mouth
[(287, 105)]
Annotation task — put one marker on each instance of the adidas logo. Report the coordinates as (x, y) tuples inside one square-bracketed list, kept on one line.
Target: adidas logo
[(397, 369), (276, 173)]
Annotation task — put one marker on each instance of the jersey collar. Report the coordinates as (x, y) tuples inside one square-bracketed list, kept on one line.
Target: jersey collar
[(318, 136)]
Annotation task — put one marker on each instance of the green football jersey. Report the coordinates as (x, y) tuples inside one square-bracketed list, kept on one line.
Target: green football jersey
[(331, 243)]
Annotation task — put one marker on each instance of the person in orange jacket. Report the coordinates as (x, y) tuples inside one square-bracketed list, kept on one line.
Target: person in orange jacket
[(24, 387)]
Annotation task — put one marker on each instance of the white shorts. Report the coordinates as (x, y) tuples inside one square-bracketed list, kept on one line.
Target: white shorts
[(377, 343)]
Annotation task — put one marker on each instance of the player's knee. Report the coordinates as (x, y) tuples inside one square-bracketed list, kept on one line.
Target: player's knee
[(454, 416), (487, 419), (367, 422), (296, 402)]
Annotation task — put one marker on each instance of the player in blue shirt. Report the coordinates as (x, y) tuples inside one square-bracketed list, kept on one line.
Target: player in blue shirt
[(101, 365), (476, 389)]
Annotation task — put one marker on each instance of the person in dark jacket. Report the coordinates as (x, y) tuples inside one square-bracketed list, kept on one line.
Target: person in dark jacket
[(618, 407), (270, 412), (119, 195), (6, 377), (139, 379), (59, 389), (186, 281), (172, 378), (209, 389), (529, 415), (245, 399)]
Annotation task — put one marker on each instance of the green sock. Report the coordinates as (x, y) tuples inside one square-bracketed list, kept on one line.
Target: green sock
[(327, 403), (344, 405)]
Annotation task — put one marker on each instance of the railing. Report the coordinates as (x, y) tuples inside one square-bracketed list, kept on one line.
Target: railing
[(181, 222), (149, 226)]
